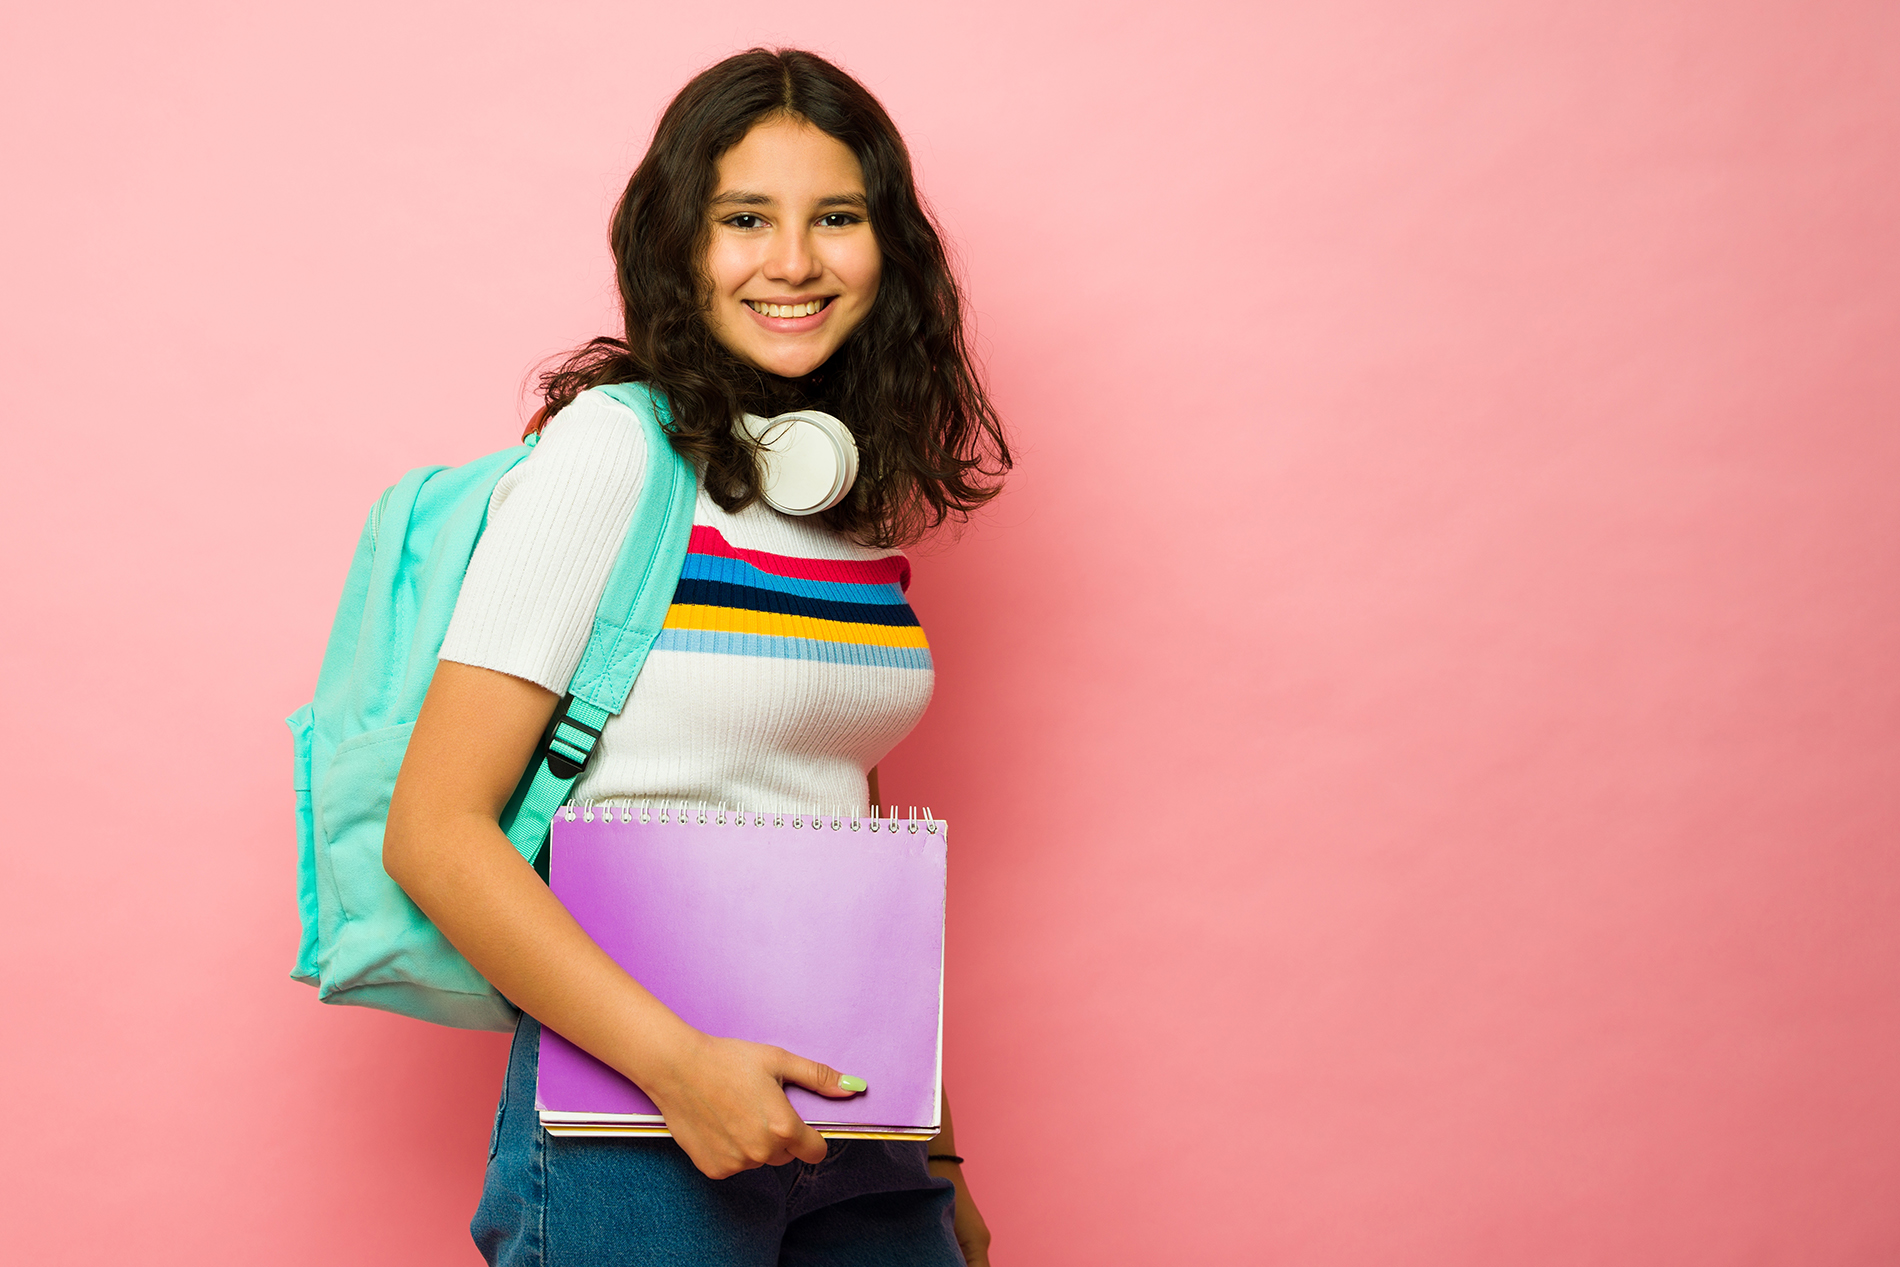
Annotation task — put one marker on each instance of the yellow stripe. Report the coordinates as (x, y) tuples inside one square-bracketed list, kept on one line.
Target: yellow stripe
[(784, 625), (615, 1130)]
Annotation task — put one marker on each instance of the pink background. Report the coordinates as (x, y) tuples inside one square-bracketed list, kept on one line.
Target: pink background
[(1421, 728)]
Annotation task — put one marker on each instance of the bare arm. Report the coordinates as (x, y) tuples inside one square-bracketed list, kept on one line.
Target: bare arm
[(973, 1234), (722, 1098)]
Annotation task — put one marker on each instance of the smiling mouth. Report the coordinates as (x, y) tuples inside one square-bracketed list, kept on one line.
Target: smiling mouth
[(805, 309)]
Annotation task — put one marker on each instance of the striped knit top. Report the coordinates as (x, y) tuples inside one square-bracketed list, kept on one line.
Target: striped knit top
[(789, 664), (735, 601)]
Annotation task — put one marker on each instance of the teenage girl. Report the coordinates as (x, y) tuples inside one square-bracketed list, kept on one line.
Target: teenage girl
[(772, 254)]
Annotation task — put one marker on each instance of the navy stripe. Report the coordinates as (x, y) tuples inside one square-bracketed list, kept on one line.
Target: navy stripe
[(747, 598)]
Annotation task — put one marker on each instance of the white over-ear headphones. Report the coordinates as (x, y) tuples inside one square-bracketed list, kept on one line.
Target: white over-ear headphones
[(807, 460)]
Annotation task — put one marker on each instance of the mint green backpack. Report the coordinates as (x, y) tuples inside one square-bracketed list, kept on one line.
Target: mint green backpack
[(364, 942)]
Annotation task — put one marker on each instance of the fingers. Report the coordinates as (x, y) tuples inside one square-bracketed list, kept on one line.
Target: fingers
[(734, 1116), (786, 1139), (816, 1077), (808, 1145)]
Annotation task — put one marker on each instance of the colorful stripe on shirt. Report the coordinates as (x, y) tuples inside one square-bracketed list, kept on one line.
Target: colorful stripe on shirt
[(733, 601)]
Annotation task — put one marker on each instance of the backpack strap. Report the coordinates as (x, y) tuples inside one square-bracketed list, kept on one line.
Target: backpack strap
[(632, 609)]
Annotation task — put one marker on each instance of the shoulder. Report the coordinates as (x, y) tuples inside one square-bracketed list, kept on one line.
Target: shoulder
[(594, 422), (596, 444)]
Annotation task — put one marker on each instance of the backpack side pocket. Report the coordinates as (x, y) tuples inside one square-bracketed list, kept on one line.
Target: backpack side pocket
[(376, 947)]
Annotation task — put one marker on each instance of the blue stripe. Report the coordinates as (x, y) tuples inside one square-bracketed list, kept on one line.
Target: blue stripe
[(712, 567), (719, 642)]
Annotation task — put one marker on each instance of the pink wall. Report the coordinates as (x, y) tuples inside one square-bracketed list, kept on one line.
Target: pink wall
[(1422, 728)]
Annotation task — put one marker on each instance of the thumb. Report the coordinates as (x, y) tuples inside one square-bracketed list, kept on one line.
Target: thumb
[(813, 1076)]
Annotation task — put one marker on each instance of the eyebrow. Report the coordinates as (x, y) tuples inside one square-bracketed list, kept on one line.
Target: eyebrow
[(746, 198)]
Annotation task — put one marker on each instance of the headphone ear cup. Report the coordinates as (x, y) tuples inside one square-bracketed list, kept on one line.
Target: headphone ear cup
[(808, 460), (846, 446)]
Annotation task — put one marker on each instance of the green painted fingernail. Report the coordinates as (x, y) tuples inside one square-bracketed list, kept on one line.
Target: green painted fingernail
[(849, 1083)]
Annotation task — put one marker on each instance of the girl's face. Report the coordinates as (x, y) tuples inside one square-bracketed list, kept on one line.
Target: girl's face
[(793, 263)]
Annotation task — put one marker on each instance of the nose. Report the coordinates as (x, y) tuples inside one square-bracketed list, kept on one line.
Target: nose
[(791, 259)]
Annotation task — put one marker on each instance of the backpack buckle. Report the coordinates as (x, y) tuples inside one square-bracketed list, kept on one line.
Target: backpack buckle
[(567, 755)]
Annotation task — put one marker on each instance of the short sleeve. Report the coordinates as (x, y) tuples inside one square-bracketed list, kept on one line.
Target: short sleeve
[(555, 524)]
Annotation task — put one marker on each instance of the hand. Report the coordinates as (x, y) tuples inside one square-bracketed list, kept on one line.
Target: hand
[(973, 1234), (725, 1103)]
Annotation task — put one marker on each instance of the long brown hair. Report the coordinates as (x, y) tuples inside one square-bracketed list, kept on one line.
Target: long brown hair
[(930, 444)]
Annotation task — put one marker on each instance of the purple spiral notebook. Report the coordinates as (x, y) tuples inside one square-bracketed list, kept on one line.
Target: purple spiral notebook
[(822, 935)]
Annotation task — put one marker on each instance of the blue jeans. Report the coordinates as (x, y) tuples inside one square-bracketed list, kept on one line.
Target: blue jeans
[(553, 1202)]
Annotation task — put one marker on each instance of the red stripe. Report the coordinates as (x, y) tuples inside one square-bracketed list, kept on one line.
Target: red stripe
[(892, 567)]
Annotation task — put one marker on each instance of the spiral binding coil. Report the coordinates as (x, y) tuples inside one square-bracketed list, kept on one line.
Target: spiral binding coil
[(700, 813)]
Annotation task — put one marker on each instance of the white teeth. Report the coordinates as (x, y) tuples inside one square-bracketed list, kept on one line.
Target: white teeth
[(787, 310)]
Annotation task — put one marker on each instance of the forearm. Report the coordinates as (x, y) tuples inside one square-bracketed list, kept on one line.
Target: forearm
[(476, 732), (945, 1145), (472, 884), (973, 1234), (722, 1098)]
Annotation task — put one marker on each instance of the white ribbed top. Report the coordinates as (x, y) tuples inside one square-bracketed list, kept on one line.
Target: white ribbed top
[(760, 723)]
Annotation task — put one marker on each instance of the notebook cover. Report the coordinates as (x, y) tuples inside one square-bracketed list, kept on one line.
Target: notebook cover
[(826, 942)]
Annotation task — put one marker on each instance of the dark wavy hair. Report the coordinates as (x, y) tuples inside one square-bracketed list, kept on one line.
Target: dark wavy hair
[(930, 444)]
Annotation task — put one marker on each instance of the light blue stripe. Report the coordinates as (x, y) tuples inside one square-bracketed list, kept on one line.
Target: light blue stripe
[(713, 567), (720, 642)]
